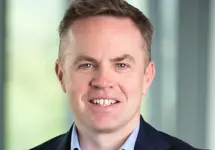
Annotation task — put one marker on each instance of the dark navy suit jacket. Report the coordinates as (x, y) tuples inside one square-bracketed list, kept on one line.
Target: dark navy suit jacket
[(148, 139)]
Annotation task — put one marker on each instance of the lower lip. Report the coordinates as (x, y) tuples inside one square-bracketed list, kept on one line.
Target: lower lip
[(99, 108)]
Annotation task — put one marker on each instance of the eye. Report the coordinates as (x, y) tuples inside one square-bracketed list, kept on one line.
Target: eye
[(122, 65), (86, 66)]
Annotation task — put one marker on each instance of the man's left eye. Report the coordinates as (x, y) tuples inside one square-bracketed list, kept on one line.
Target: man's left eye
[(121, 65)]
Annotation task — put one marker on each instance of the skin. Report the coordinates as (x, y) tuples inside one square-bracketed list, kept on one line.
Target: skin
[(103, 57)]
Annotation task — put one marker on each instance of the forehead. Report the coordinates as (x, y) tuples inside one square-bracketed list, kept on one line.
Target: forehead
[(104, 21), (104, 25), (104, 33)]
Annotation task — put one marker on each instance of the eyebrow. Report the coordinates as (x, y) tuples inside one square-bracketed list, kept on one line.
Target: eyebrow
[(84, 58), (123, 57), (117, 59)]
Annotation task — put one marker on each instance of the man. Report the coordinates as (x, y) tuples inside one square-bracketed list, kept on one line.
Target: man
[(105, 68)]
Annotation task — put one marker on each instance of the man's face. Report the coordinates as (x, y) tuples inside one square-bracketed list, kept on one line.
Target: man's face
[(104, 72)]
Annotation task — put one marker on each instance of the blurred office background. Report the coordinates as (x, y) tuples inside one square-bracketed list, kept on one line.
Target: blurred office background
[(181, 101)]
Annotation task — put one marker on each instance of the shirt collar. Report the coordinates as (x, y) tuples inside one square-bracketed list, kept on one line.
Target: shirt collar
[(130, 142), (74, 139), (128, 145)]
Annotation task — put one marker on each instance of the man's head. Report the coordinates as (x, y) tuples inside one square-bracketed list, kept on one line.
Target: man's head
[(104, 63)]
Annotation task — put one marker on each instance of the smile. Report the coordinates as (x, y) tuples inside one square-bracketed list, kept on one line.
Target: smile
[(103, 102)]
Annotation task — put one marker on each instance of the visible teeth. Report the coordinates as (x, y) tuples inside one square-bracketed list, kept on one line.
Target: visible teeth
[(106, 102), (112, 101), (103, 102)]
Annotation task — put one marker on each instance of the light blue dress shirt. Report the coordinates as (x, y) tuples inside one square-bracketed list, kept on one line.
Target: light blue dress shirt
[(128, 145)]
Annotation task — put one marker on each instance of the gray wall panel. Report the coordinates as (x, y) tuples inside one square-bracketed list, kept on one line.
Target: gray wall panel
[(2, 72)]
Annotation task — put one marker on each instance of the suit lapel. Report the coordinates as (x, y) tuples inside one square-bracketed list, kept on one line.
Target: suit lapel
[(149, 138), (65, 141)]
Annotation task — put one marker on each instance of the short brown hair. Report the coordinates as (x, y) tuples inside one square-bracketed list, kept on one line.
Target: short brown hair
[(119, 8)]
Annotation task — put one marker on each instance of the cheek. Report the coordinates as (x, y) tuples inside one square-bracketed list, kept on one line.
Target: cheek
[(133, 82), (132, 87), (77, 86)]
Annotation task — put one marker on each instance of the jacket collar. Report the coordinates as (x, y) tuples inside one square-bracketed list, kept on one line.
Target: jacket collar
[(64, 142), (148, 139)]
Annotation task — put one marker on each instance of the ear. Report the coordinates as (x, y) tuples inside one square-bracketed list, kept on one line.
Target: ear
[(148, 77), (59, 72)]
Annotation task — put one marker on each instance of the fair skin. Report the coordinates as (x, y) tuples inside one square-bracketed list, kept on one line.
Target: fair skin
[(103, 58)]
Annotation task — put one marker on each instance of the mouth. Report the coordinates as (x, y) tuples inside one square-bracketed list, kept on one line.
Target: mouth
[(104, 102)]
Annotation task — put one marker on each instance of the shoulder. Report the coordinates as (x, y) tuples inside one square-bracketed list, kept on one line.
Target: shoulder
[(159, 140), (50, 144), (60, 142), (176, 144)]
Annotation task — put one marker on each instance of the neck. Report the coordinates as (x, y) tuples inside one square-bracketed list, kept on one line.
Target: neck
[(91, 140)]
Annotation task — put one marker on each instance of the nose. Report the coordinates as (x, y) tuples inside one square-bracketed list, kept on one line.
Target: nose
[(103, 79)]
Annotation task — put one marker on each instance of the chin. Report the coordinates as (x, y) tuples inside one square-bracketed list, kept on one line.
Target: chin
[(105, 124), (105, 128)]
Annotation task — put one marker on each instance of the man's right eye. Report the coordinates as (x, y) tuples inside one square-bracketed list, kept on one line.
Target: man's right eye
[(86, 66)]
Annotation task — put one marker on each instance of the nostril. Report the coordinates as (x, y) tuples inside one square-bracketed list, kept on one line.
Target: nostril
[(101, 83)]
